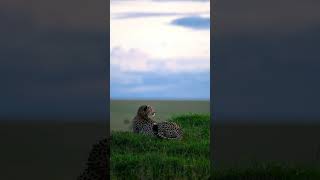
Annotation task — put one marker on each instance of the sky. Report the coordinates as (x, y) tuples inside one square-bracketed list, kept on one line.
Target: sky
[(160, 49), (265, 54)]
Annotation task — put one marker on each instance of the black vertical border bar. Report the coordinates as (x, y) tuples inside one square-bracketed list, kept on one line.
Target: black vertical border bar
[(212, 81)]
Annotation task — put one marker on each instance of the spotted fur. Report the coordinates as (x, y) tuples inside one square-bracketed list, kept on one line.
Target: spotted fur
[(144, 123), (168, 130)]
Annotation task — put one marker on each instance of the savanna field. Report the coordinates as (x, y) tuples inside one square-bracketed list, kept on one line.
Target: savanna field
[(136, 156), (59, 150), (143, 157)]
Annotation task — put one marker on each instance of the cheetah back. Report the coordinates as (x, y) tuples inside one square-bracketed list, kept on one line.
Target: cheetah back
[(169, 130)]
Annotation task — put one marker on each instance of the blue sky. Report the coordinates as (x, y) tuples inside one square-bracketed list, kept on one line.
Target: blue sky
[(160, 49)]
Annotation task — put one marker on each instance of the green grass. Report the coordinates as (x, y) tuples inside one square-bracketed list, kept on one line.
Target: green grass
[(143, 157), (135, 156)]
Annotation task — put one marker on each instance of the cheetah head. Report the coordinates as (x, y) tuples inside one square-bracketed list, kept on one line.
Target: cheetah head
[(146, 111)]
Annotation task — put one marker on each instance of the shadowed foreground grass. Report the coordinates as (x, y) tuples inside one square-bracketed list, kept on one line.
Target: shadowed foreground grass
[(46, 150), (268, 171), (143, 157)]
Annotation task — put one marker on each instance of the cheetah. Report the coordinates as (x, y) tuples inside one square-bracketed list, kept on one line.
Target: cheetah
[(97, 163), (144, 123), (167, 130)]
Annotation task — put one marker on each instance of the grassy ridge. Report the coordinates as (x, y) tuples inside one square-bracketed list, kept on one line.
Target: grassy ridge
[(135, 156), (143, 157)]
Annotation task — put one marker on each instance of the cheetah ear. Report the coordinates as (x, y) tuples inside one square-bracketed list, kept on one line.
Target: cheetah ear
[(145, 108)]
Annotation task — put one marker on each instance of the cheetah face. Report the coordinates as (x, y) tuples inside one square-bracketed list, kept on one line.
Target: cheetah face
[(146, 111)]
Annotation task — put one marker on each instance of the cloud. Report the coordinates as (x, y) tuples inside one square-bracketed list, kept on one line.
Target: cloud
[(153, 14), (148, 88), (157, 61), (119, 77), (114, 1), (136, 75), (193, 22), (142, 15), (182, 0), (134, 60), (164, 86)]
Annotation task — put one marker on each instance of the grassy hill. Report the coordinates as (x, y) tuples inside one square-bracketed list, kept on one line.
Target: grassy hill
[(143, 157)]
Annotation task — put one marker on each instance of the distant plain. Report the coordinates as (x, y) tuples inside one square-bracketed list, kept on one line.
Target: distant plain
[(123, 111)]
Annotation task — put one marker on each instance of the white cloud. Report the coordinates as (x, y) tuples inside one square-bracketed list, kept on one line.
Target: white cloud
[(148, 88), (151, 58), (116, 77), (156, 35), (134, 60), (129, 61)]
